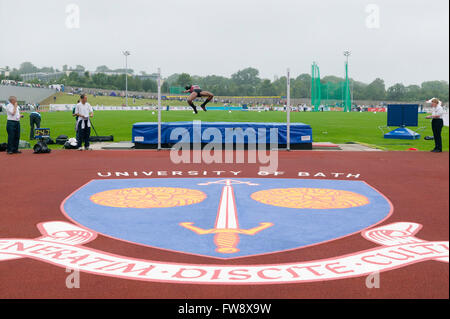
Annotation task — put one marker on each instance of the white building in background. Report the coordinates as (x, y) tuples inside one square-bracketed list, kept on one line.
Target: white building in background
[(142, 77), (45, 77)]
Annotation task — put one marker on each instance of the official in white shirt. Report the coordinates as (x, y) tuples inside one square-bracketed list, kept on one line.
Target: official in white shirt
[(437, 123), (84, 112), (13, 125)]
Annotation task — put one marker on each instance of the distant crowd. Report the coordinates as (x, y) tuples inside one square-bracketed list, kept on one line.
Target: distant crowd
[(23, 84)]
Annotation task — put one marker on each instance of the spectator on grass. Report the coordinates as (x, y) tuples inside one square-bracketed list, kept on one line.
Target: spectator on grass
[(13, 126)]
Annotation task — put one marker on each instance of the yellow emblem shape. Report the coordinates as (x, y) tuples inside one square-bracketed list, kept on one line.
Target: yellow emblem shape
[(310, 198), (148, 197), (226, 240)]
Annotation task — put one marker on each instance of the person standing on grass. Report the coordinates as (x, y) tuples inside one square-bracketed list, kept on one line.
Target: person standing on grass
[(13, 126), (84, 112), (35, 119), (436, 123)]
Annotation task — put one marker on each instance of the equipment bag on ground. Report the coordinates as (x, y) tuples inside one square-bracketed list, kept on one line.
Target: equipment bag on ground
[(41, 148), (71, 144), (62, 139)]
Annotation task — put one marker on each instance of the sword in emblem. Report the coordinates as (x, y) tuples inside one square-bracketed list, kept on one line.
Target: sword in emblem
[(226, 228)]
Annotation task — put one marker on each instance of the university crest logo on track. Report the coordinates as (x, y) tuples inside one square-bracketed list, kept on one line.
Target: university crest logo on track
[(226, 218)]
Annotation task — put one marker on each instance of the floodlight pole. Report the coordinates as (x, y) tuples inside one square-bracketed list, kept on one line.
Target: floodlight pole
[(347, 54), (126, 54), (288, 110), (159, 109)]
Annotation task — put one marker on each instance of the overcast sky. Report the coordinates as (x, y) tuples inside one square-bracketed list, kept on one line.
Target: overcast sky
[(409, 43)]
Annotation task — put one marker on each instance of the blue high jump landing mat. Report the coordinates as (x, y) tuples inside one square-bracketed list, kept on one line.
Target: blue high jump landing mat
[(145, 134)]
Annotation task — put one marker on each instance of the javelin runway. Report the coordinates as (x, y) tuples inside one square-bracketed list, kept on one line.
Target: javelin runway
[(138, 226)]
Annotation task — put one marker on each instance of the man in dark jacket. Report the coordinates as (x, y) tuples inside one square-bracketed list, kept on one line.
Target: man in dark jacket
[(35, 119)]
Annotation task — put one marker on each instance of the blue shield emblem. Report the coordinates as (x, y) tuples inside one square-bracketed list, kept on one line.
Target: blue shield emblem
[(226, 218)]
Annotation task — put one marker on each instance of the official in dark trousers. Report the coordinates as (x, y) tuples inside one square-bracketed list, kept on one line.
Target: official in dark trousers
[(13, 126), (84, 111), (35, 120), (436, 123)]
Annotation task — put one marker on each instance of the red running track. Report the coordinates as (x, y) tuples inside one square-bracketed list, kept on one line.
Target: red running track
[(33, 187)]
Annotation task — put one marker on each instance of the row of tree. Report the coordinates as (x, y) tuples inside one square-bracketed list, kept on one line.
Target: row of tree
[(246, 82)]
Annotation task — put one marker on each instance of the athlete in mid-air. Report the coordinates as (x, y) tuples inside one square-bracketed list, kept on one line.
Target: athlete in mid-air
[(197, 92)]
